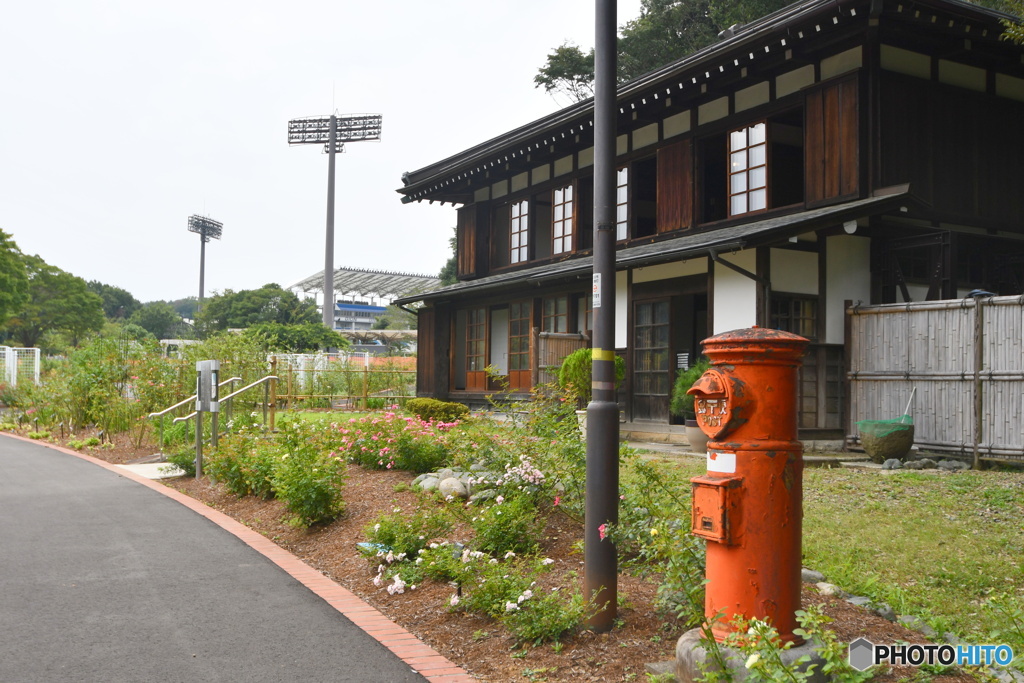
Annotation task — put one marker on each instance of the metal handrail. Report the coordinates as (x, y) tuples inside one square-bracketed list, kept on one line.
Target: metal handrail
[(180, 404), (228, 397)]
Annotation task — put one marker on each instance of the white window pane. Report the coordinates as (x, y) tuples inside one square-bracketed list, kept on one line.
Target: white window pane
[(621, 195), (757, 134), (568, 243), (738, 183), (738, 205), (758, 177), (738, 139), (568, 194), (757, 155), (515, 210), (758, 200), (558, 212), (621, 213), (558, 196), (738, 161), (622, 176), (620, 231), (515, 240), (557, 248)]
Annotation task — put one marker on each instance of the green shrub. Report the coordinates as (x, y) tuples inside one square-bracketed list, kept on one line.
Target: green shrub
[(433, 410), (309, 483), (576, 370), (185, 460), (244, 464), (546, 616), (508, 525), (406, 535), (682, 402)]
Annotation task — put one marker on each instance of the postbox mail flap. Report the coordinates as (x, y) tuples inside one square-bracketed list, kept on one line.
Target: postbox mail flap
[(716, 507)]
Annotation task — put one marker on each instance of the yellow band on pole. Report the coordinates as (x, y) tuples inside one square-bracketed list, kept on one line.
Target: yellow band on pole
[(604, 354)]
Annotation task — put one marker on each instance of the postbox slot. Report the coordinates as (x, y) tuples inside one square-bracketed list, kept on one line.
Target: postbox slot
[(715, 507)]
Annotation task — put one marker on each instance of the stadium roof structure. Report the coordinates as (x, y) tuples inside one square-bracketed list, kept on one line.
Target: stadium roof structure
[(380, 283)]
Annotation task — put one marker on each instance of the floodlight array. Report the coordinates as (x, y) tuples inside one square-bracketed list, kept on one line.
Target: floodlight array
[(317, 129), (207, 227)]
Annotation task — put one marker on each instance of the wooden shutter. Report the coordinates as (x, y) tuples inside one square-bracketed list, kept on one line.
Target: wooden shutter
[(831, 151), (466, 241), (675, 186), (426, 352)]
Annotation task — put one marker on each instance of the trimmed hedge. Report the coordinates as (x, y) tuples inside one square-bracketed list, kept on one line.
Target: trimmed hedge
[(431, 409)]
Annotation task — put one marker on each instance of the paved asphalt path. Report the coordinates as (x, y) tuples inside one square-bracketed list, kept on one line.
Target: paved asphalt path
[(102, 579)]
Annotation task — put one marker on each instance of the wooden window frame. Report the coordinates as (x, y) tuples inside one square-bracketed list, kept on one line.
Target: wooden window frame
[(793, 318), (519, 227), (520, 319), (556, 315), (476, 378), (562, 199), (744, 170), (622, 204)]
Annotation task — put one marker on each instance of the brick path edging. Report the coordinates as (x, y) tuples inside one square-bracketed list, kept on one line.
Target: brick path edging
[(405, 645)]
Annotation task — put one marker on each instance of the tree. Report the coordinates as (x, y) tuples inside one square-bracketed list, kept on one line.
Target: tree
[(13, 278), (665, 31), (57, 301), (395, 318), (450, 271), (186, 307), (568, 71), (158, 318), (1014, 29), (295, 338), (268, 304), (117, 303)]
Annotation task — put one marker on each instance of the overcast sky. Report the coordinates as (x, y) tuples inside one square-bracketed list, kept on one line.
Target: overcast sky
[(119, 119)]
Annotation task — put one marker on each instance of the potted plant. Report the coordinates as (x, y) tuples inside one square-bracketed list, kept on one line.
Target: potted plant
[(682, 404), (575, 375)]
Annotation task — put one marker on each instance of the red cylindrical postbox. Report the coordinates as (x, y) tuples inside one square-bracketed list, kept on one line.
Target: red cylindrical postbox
[(749, 506)]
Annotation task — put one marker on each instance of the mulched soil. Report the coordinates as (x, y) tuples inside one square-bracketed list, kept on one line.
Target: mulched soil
[(477, 644)]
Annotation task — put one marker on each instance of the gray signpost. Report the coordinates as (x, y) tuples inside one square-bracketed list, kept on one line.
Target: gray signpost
[(207, 401)]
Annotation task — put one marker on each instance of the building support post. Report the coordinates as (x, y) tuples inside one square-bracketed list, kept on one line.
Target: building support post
[(600, 577)]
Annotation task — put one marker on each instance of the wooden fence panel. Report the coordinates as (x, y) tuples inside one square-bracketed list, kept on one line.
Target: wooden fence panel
[(930, 346)]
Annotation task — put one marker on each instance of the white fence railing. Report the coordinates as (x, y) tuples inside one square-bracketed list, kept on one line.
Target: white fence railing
[(19, 365)]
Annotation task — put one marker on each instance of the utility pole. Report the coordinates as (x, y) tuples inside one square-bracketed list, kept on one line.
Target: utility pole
[(600, 572)]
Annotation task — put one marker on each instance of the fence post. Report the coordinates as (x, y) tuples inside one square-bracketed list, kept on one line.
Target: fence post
[(979, 361), (366, 381), (273, 397), (288, 401)]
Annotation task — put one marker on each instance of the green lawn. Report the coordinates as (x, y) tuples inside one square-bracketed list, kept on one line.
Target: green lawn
[(938, 546)]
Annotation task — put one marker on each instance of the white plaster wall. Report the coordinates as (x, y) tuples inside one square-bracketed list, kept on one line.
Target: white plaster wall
[(621, 310), (847, 276), (735, 295), (795, 272), (664, 271)]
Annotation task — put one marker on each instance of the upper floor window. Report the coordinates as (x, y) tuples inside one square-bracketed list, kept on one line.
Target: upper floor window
[(748, 169), (795, 313), (561, 221), (519, 236), (622, 204)]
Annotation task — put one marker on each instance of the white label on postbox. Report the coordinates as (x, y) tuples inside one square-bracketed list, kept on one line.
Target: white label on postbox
[(722, 461)]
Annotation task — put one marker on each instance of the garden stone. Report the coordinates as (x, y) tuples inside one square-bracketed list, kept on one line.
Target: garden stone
[(917, 624), (452, 487), (481, 496), (478, 467), (914, 465), (811, 576), (892, 464), (885, 612), (429, 483), (417, 480), (927, 464), (830, 589), (952, 465), (446, 473), (859, 600)]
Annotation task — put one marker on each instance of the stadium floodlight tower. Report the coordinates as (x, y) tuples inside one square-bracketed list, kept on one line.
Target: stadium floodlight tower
[(208, 229), (333, 132)]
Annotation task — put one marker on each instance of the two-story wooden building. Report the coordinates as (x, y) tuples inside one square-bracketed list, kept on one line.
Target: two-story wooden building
[(835, 151)]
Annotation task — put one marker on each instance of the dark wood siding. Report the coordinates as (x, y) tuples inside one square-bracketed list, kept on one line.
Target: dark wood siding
[(466, 241), (426, 351), (675, 186), (960, 150), (832, 142)]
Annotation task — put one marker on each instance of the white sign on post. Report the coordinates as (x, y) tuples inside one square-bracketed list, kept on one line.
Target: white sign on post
[(597, 290)]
